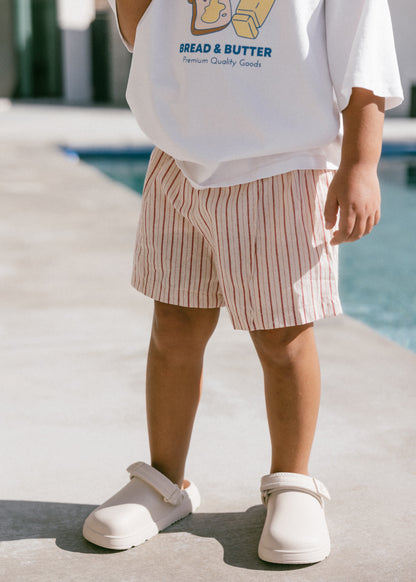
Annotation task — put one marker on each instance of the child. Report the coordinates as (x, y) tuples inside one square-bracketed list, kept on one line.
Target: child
[(248, 193)]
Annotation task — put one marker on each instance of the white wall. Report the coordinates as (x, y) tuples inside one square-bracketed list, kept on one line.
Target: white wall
[(75, 14), (75, 17), (403, 13)]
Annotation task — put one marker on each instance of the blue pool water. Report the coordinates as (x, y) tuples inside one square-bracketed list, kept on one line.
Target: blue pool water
[(377, 274), (127, 167)]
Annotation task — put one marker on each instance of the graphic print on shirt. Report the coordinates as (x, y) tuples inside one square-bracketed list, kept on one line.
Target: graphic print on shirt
[(210, 16)]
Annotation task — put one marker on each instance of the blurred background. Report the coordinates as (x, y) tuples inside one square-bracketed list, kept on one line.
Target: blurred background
[(69, 51), (63, 50)]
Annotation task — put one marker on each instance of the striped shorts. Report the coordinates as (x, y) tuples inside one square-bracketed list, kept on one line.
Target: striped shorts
[(260, 249)]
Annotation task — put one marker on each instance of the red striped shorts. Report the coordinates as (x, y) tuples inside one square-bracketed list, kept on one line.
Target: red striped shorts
[(260, 249)]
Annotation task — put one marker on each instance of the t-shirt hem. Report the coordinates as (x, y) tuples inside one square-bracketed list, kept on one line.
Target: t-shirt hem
[(282, 167)]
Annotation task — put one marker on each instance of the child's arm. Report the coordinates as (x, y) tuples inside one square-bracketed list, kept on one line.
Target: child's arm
[(129, 14), (355, 190)]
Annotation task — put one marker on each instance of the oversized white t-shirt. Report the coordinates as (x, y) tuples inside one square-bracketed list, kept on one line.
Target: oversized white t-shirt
[(237, 90)]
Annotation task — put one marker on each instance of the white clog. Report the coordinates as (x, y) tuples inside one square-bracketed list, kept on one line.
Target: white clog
[(295, 530), (149, 503)]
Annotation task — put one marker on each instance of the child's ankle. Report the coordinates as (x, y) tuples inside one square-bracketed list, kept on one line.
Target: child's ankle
[(174, 476)]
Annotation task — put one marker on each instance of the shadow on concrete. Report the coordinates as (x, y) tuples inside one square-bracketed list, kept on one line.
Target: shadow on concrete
[(23, 520), (238, 533)]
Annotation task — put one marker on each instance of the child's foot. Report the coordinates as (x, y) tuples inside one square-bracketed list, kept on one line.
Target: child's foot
[(149, 503), (295, 530)]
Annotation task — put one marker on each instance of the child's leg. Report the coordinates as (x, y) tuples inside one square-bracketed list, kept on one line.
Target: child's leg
[(150, 502), (174, 369), (292, 386), (295, 529)]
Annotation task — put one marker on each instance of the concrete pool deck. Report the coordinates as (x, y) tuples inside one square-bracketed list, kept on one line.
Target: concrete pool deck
[(73, 346)]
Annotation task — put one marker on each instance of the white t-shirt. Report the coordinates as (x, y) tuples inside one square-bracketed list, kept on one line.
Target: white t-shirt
[(237, 90)]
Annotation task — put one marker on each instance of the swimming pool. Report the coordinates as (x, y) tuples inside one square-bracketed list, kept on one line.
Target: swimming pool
[(377, 274)]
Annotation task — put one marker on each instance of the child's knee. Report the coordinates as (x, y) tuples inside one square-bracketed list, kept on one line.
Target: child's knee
[(282, 346), (182, 328)]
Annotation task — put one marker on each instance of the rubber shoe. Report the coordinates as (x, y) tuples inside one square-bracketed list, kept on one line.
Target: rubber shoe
[(295, 530), (149, 503)]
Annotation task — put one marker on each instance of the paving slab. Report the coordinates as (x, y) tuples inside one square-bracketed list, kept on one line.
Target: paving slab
[(73, 338)]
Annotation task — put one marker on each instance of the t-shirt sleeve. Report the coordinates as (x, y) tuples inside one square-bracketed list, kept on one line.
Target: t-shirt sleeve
[(114, 8), (361, 51)]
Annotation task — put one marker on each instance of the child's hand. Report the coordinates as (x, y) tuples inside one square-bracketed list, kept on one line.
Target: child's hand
[(355, 192)]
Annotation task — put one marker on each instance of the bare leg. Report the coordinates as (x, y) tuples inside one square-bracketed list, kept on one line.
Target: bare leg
[(173, 383), (292, 387)]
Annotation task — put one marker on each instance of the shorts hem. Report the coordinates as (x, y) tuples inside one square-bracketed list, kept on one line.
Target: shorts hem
[(194, 300), (332, 308), (291, 321)]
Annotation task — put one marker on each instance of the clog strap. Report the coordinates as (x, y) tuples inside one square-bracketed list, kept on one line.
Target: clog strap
[(292, 482), (164, 486)]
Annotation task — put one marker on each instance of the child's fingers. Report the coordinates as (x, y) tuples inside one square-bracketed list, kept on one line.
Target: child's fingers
[(331, 212), (347, 225), (352, 227), (360, 228), (371, 222)]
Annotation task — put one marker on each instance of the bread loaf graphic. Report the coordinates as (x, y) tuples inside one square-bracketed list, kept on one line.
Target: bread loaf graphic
[(250, 15), (210, 15)]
